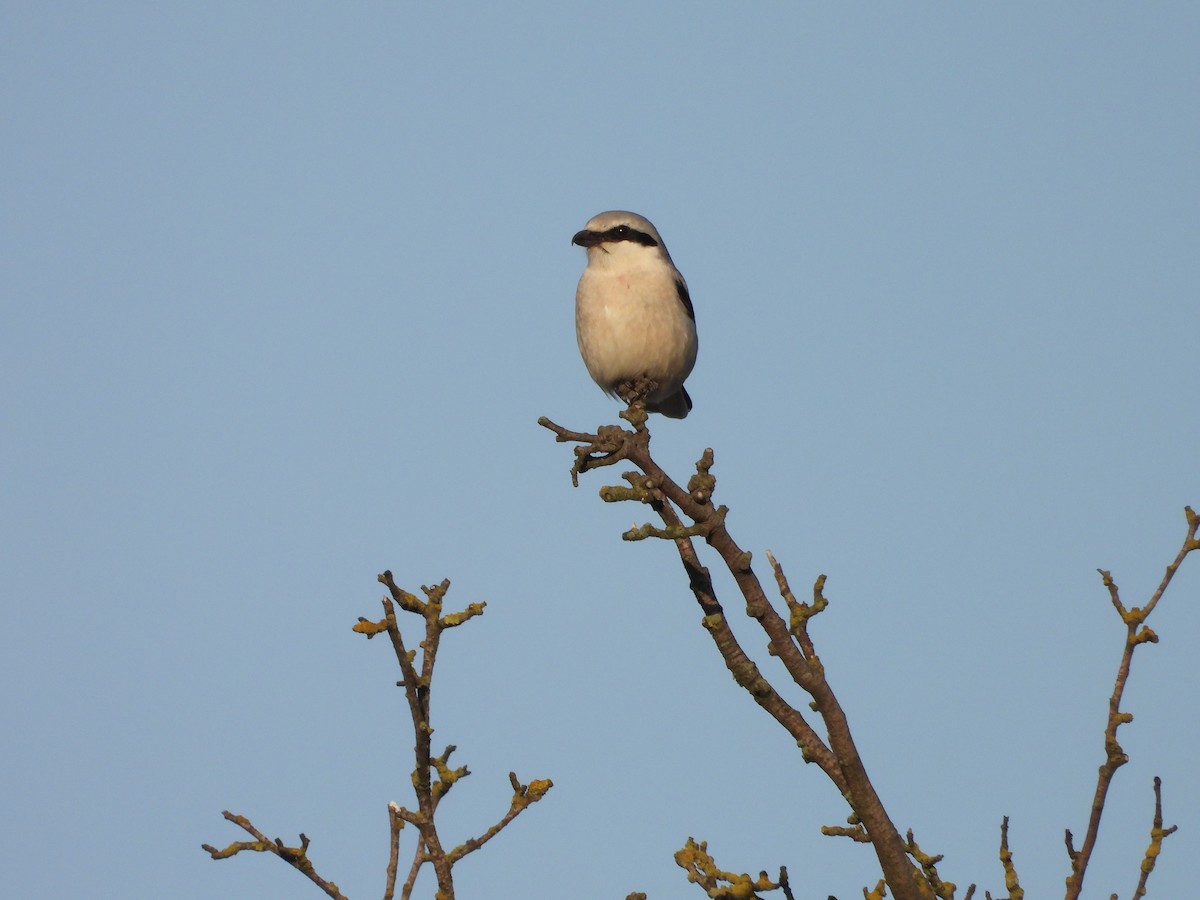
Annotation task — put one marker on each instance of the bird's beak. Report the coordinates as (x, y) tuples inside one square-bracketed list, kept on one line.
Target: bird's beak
[(587, 238)]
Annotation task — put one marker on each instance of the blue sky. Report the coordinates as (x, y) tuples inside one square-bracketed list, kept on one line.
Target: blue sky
[(286, 287)]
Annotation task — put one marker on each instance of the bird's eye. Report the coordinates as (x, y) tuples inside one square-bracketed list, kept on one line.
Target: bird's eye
[(621, 230)]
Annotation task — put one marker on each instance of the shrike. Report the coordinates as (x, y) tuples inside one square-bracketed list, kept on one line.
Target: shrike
[(633, 316)]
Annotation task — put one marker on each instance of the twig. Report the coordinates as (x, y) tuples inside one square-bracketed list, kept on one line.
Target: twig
[(703, 870), (524, 796), (944, 890), (410, 881), (1157, 834), (296, 857), (855, 832), (1136, 632), (395, 823), (1011, 882)]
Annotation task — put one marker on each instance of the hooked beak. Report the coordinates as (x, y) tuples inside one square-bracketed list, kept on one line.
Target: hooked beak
[(587, 238)]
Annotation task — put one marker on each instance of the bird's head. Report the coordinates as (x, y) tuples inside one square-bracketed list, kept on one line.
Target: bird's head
[(619, 234)]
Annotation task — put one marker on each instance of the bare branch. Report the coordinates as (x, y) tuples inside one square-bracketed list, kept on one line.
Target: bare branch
[(941, 889), (838, 757), (432, 778), (1011, 882), (416, 683), (1136, 632), (745, 672), (296, 857), (800, 613), (395, 823), (524, 796), (855, 832), (703, 870), (1157, 834)]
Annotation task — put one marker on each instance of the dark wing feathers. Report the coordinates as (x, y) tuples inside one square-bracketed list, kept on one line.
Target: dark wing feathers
[(685, 298)]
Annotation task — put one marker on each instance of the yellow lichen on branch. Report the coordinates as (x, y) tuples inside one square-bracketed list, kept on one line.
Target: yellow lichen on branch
[(369, 628)]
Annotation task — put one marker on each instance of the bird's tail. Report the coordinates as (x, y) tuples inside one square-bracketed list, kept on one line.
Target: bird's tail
[(676, 406)]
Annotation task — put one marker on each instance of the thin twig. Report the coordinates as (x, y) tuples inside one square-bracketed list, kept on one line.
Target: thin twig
[(419, 859), (524, 796), (703, 870), (395, 823), (296, 857), (1011, 881), (1157, 834), (928, 866)]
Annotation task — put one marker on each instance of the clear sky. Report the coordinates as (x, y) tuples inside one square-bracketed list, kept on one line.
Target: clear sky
[(287, 285)]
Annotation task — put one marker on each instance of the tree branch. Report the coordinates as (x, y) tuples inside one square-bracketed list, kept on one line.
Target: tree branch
[(1136, 632), (432, 778), (296, 857), (524, 796), (416, 684), (703, 870), (1157, 834), (944, 890), (395, 823), (839, 758), (1011, 882)]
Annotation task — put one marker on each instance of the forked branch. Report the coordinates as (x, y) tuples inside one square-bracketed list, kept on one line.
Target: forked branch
[(296, 857), (433, 776), (1136, 633)]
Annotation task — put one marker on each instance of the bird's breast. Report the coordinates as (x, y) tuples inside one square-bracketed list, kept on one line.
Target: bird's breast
[(633, 324)]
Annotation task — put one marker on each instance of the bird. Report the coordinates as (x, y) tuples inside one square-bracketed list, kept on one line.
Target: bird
[(633, 314)]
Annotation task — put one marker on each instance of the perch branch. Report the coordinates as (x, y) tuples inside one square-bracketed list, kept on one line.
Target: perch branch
[(839, 758)]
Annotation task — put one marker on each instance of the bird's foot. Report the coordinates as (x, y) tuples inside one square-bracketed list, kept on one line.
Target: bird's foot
[(634, 393), (635, 390)]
